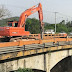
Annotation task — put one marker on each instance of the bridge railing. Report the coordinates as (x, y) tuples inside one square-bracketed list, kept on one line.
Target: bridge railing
[(47, 36), (21, 43)]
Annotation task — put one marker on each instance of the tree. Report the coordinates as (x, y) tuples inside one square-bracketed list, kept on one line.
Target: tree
[(59, 27), (4, 12), (62, 22), (49, 26), (62, 27), (32, 25)]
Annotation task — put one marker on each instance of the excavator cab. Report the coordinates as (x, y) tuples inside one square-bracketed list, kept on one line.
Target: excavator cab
[(12, 23)]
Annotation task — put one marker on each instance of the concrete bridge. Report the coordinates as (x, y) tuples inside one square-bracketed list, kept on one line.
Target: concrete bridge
[(56, 58)]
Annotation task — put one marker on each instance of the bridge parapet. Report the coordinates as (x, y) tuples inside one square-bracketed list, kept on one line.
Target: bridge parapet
[(21, 43)]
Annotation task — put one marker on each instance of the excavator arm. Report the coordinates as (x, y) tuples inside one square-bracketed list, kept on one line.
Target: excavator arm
[(28, 12)]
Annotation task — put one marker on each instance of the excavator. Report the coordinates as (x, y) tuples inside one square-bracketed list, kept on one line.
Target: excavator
[(16, 30)]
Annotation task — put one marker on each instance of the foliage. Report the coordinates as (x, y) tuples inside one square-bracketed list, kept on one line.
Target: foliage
[(49, 26), (24, 70), (60, 26), (33, 26), (4, 12)]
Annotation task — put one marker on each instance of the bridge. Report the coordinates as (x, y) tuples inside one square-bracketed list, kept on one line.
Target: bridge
[(47, 55)]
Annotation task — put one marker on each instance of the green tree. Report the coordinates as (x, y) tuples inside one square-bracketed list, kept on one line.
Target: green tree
[(49, 26), (69, 26), (62, 27), (32, 25), (59, 27)]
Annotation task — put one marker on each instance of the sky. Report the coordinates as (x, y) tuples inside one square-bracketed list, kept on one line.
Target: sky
[(62, 7)]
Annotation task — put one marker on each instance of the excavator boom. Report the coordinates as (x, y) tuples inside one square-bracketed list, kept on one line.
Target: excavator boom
[(28, 12)]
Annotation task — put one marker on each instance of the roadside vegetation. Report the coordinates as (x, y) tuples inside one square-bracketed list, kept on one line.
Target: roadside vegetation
[(24, 70)]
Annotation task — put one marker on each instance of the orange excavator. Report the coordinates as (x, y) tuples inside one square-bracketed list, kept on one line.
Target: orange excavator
[(17, 29)]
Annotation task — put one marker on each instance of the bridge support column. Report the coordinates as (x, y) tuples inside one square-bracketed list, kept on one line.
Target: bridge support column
[(48, 58), (44, 62)]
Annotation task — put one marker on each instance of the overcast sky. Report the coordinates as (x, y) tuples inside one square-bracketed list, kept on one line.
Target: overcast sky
[(16, 7)]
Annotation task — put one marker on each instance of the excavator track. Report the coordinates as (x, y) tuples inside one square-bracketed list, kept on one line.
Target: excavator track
[(21, 38), (6, 39)]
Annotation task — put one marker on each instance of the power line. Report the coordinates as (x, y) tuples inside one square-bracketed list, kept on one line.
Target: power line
[(21, 7), (45, 11)]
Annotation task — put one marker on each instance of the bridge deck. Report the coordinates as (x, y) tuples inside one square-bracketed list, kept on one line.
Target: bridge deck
[(32, 51), (21, 43), (23, 48)]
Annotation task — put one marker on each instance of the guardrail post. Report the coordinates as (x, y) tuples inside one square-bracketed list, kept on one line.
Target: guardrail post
[(44, 45), (58, 43), (68, 42), (24, 47)]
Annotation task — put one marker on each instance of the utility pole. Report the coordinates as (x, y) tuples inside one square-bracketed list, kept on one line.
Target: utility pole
[(55, 20)]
